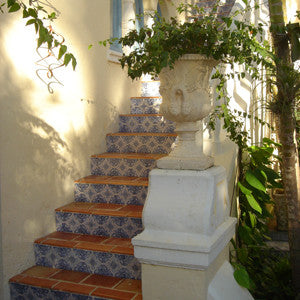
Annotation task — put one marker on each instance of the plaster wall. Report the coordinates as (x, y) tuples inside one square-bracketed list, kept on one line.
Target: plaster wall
[(46, 139)]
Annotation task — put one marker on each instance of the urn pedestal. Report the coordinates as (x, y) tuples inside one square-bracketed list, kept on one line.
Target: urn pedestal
[(186, 100)]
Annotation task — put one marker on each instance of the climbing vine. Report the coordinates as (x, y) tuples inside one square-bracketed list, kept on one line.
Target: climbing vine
[(50, 44)]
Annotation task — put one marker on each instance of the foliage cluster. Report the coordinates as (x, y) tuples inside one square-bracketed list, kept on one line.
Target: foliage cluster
[(231, 42), (46, 35), (223, 38)]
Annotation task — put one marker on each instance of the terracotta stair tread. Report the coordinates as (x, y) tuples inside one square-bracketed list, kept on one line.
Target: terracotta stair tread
[(87, 242), (114, 180), (141, 134), (106, 209), (130, 155), (80, 283), (141, 115)]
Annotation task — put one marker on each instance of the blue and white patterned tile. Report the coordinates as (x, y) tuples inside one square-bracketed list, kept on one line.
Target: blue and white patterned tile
[(140, 143), (122, 166), (110, 193), (20, 291), (145, 105), (123, 227), (94, 262), (148, 123)]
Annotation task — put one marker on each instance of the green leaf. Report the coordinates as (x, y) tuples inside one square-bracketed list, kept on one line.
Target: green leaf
[(10, 2), (62, 51), (31, 21), (74, 62), (67, 59), (254, 181), (244, 233), (25, 14), (243, 189), (15, 7), (252, 219), (36, 26), (52, 16), (271, 142), (32, 12), (253, 203), (242, 277), (90, 46)]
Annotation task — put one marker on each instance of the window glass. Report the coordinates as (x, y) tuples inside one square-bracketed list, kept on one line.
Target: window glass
[(139, 10), (116, 8)]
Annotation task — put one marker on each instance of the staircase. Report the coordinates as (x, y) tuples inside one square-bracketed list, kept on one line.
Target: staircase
[(90, 256)]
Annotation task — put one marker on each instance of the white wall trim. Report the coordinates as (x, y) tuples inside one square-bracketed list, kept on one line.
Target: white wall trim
[(114, 56)]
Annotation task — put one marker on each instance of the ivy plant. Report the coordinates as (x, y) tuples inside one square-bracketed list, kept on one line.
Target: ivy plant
[(222, 38), (42, 21)]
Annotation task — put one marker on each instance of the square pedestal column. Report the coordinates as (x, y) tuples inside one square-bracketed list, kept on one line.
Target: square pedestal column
[(187, 229)]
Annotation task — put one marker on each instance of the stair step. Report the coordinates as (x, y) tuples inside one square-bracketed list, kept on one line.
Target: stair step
[(50, 283), (145, 123), (87, 253), (150, 88), (119, 164), (145, 105), (111, 189), (140, 142), (87, 242), (105, 219)]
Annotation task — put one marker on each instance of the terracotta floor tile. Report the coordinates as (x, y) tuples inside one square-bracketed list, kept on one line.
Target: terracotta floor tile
[(75, 206), (94, 246), (74, 288), (72, 276), (138, 297), (91, 238), (130, 285), (40, 240), (123, 250), (101, 280), (115, 180), (92, 179), (109, 206), (16, 278), (107, 212), (60, 243), (118, 241), (135, 214), (113, 294), (63, 235), (40, 271), (40, 282), (132, 208)]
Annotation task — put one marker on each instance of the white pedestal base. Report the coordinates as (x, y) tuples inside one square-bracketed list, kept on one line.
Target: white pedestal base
[(187, 230)]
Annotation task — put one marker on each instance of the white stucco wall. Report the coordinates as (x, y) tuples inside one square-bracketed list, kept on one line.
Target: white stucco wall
[(46, 140)]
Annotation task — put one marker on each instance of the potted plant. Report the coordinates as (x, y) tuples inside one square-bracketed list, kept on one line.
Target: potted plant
[(183, 55)]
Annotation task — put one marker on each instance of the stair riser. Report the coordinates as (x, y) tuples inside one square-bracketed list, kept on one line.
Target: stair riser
[(94, 262), (150, 88), (145, 124), (122, 227), (27, 292), (122, 167), (145, 105), (109, 193), (139, 144)]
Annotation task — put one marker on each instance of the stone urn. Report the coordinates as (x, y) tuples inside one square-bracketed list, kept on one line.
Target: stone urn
[(186, 100)]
